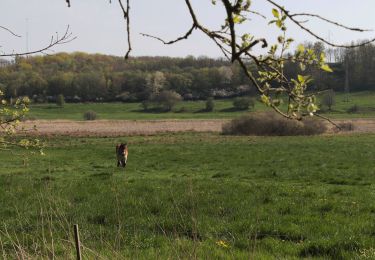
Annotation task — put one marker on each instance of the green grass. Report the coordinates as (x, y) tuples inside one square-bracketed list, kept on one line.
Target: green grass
[(133, 111), (192, 109), (266, 198), (364, 100)]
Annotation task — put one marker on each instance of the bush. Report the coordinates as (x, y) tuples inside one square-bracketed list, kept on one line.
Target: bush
[(90, 115), (167, 99), (353, 109), (210, 104), (329, 99), (243, 103), (272, 124), (60, 100)]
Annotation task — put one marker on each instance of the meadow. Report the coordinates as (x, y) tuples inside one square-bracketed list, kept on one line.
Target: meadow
[(192, 195), (194, 109)]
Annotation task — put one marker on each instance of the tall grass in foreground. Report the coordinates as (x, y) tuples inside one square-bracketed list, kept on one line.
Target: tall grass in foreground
[(192, 196)]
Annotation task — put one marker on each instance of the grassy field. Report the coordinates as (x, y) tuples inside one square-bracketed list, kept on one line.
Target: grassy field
[(133, 111), (192, 109), (189, 195)]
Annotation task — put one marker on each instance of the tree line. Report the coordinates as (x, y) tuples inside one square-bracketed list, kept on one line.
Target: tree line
[(82, 77)]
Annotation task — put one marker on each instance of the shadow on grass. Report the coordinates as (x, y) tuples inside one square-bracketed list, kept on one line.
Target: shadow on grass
[(150, 111), (47, 107), (330, 250), (233, 109), (102, 175), (203, 111)]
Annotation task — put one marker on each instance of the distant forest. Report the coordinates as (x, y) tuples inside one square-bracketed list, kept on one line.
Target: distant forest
[(82, 77)]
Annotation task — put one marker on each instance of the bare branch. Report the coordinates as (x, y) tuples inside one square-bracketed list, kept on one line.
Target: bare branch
[(229, 10), (8, 30), (184, 37), (257, 13), (329, 120), (315, 35), (332, 22), (55, 40), (246, 49), (125, 12)]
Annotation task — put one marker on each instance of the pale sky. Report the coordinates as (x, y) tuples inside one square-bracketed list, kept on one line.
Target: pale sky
[(99, 26)]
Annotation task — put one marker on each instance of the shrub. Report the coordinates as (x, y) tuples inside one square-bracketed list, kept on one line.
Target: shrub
[(329, 99), (353, 109), (60, 100), (210, 104), (90, 115), (243, 103), (272, 124), (167, 99)]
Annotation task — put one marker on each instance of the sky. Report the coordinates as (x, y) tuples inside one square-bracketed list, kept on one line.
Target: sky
[(100, 28)]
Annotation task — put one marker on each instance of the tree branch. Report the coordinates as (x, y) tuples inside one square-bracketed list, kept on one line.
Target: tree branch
[(332, 22), (66, 38), (11, 32), (125, 12), (184, 37), (320, 38)]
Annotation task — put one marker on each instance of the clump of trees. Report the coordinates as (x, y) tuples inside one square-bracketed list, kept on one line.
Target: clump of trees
[(82, 77)]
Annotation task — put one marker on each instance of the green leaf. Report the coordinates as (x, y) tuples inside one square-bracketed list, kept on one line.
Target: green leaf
[(326, 68), (265, 99), (312, 108), (275, 13), (279, 23), (301, 48), (237, 19), (301, 78), (302, 66), (322, 57)]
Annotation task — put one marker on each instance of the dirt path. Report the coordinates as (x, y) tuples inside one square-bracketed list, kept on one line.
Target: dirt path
[(360, 125), (123, 127), (147, 127)]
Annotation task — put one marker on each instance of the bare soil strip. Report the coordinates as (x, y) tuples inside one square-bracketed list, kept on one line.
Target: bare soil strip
[(121, 128), (149, 127), (365, 125)]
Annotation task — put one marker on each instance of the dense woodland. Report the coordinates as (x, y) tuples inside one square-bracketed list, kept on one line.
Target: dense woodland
[(86, 77)]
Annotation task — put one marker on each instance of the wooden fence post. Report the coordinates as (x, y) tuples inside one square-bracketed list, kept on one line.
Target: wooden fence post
[(77, 242)]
